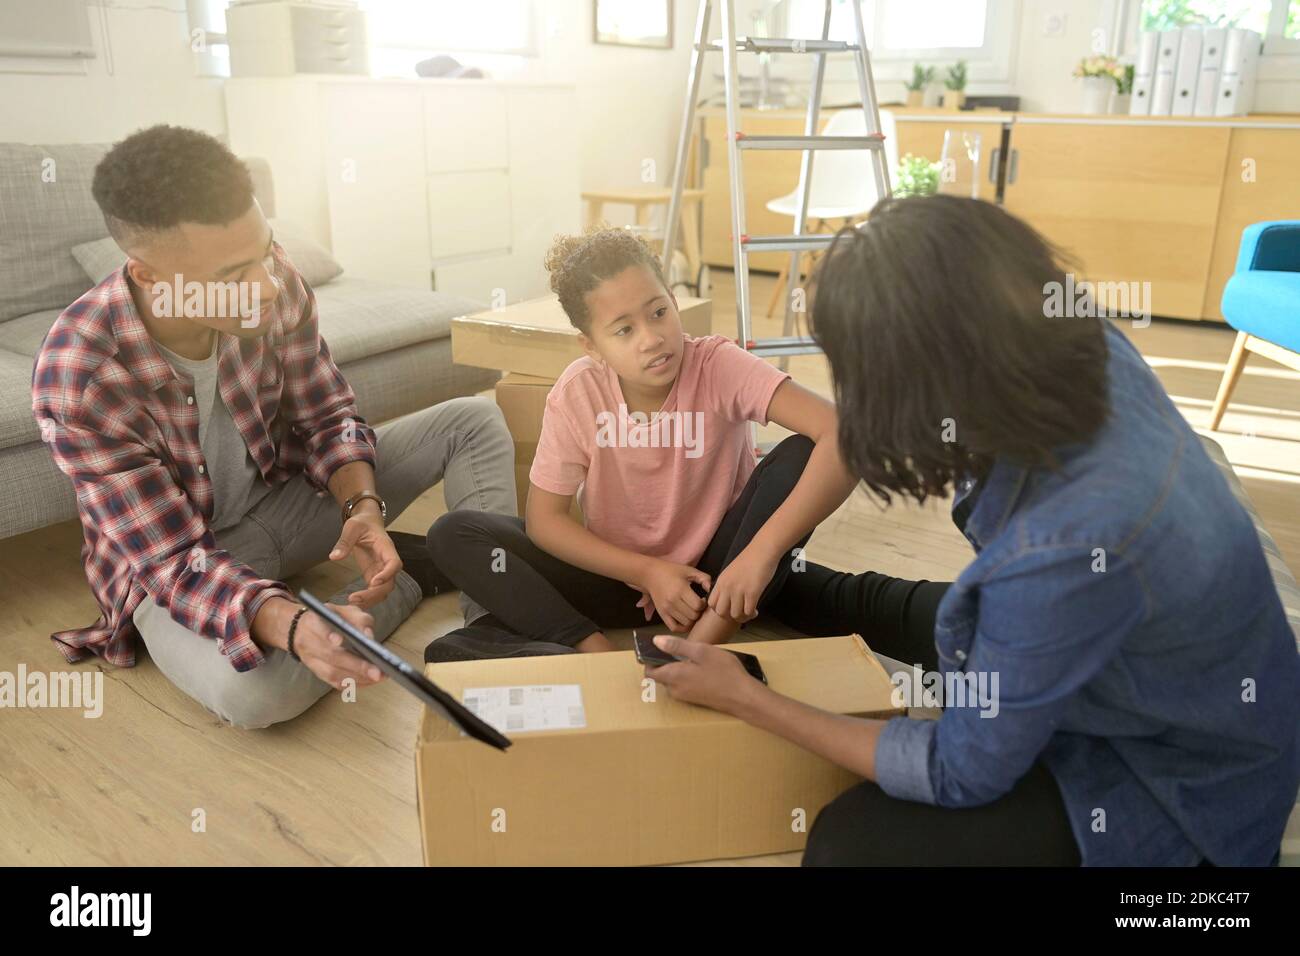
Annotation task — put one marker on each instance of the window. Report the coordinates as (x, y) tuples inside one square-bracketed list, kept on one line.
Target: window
[(899, 32), (1172, 14), (897, 25), (1278, 21), (401, 32), (452, 26)]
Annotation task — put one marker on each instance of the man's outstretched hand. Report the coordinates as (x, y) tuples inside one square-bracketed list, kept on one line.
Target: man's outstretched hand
[(322, 651), (364, 535)]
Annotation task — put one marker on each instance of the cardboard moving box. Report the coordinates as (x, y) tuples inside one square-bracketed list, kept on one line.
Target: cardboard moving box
[(639, 778), (522, 399), (536, 338)]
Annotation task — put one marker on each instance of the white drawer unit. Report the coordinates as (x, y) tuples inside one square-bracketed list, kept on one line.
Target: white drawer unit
[(282, 39), (456, 185)]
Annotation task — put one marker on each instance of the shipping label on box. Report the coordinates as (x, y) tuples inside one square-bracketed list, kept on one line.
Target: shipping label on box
[(514, 710)]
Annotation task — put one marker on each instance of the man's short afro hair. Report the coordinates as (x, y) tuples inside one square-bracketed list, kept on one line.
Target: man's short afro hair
[(160, 177)]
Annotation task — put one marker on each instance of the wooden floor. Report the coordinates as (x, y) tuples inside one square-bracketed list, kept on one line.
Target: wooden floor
[(336, 786)]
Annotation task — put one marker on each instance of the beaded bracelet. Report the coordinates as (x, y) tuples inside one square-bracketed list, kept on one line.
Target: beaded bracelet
[(293, 627)]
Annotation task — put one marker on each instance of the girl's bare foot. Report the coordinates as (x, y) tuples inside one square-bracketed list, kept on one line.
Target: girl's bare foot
[(594, 644)]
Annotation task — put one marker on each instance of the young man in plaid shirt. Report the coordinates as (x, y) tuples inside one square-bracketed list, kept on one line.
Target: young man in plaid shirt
[(217, 450)]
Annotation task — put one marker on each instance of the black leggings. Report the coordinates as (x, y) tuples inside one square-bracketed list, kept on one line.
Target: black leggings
[(531, 593)]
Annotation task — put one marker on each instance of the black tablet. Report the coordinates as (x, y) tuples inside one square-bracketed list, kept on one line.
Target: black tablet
[(426, 690)]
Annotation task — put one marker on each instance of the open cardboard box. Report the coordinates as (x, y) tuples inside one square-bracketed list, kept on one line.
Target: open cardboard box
[(647, 779)]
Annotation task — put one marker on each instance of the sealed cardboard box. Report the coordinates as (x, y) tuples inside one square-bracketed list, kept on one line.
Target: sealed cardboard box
[(606, 769), (536, 338), (522, 399)]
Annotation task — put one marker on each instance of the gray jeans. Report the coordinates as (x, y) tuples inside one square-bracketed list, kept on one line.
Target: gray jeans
[(463, 442)]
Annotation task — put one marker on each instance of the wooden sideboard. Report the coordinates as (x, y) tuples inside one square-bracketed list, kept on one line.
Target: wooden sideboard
[(1127, 199)]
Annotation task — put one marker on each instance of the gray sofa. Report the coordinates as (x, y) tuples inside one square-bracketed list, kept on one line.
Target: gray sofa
[(392, 344)]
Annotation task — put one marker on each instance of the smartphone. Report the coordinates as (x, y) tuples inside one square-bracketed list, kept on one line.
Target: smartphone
[(649, 653)]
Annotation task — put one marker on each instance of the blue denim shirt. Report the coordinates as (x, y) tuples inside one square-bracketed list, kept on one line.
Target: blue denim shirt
[(1140, 645)]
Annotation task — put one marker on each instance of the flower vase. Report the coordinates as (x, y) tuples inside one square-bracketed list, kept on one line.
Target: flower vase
[(1096, 94)]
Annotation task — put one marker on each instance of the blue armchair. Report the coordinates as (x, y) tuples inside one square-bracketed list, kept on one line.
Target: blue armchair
[(1262, 302)]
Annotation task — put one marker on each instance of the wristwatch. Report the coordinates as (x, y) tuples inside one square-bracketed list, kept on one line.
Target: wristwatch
[(350, 505)]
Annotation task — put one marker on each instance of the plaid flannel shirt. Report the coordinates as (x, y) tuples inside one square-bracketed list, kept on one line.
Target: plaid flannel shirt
[(122, 425)]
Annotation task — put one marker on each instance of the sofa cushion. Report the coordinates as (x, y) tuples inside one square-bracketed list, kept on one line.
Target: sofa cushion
[(45, 209), (1266, 305), (17, 425), (103, 256), (358, 318), (362, 317), (24, 335)]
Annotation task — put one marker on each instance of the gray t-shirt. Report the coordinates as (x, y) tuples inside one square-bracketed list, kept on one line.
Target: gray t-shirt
[(237, 483)]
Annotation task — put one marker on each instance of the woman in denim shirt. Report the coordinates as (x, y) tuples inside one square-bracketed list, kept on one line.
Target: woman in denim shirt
[(1145, 684)]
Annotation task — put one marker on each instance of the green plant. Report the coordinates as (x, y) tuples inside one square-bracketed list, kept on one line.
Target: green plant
[(1125, 85), (917, 176), (956, 78), (922, 76)]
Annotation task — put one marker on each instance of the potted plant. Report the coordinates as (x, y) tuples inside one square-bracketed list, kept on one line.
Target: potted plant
[(954, 93), (1123, 91), (917, 176), (922, 77), (1100, 75)]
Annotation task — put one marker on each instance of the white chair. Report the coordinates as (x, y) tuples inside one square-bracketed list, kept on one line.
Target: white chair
[(842, 185)]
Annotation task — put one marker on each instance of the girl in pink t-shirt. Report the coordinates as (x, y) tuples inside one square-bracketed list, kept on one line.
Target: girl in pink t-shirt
[(651, 429)]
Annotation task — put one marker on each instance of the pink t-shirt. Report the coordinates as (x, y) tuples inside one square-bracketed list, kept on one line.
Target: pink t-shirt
[(660, 486)]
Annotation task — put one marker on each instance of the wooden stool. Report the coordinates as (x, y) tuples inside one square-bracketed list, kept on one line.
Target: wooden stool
[(643, 200)]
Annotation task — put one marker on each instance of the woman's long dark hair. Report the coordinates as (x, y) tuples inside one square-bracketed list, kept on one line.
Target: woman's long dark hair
[(942, 354)]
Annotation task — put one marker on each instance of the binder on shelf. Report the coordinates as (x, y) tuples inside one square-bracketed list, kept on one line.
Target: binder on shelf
[(1186, 72), (1207, 83), (1144, 71), (1162, 87), (1237, 80)]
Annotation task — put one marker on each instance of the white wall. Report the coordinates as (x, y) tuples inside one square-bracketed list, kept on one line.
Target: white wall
[(144, 74), (629, 99)]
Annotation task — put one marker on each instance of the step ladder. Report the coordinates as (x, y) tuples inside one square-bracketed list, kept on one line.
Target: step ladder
[(738, 142)]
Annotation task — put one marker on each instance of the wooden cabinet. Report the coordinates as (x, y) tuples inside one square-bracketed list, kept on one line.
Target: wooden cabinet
[(1126, 202), (1154, 200), (1128, 199), (1261, 181)]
